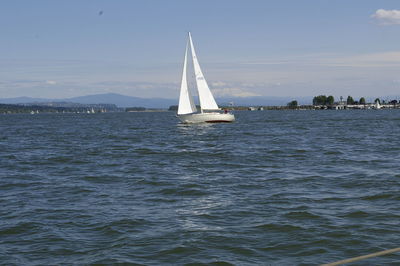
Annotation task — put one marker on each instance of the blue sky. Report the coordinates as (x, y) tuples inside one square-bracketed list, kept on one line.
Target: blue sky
[(57, 49)]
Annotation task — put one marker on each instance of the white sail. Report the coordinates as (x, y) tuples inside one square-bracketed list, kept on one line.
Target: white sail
[(207, 101), (186, 104)]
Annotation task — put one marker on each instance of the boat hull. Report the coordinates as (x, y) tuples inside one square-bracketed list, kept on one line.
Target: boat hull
[(207, 118)]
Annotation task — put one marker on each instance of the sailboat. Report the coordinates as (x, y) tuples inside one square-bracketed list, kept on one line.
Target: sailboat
[(209, 110)]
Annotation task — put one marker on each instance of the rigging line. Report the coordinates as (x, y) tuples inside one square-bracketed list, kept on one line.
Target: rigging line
[(376, 254)]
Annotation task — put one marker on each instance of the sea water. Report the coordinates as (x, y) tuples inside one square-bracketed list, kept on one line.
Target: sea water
[(273, 188)]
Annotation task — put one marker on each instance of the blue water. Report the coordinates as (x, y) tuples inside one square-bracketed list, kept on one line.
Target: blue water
[(273, 188)]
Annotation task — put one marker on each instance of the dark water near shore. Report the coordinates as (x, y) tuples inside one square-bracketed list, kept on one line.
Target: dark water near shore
[(274, 188)]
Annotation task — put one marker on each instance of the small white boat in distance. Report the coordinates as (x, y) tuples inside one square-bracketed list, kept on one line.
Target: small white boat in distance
[(209, 110)]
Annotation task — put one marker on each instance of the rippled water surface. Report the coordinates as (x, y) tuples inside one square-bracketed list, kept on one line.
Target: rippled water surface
[(273, 188)]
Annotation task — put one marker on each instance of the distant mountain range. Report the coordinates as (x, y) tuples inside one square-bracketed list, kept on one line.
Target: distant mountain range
[(107, 98), (129, 101)]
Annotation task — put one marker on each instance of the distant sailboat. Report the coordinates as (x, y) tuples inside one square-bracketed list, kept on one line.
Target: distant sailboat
[(209, 110)]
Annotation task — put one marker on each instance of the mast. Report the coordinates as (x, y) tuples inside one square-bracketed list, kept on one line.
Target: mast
[(207, 101)]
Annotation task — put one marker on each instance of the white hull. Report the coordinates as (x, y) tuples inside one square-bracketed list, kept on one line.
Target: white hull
[(206, 118)]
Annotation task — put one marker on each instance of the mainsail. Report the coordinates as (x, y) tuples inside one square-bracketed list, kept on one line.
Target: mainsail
[(186, 104), (207, 101)]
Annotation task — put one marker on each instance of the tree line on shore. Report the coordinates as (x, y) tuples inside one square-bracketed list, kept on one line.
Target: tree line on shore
[(330, 100)]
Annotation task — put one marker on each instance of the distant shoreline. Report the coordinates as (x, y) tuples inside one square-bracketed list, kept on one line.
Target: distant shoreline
[(315, 107), (102, 108)]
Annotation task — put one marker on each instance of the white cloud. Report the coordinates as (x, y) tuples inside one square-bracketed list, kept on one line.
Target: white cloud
[(51, 82), (234, 89), (218, 84), (233, 92), (373, 60), (370, 60), (387, 17)]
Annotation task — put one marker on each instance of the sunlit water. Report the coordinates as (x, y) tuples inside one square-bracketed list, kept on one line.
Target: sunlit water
[(273, 188)]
